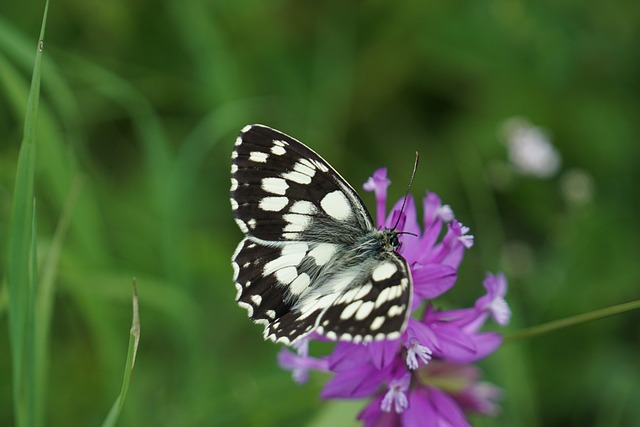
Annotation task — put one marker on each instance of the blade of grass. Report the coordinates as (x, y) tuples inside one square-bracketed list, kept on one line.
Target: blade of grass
[(134, 338), (22, 258), (571, 321), (45, 294)]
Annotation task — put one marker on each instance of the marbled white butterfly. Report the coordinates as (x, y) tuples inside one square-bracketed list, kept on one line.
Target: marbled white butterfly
[(312, 258)]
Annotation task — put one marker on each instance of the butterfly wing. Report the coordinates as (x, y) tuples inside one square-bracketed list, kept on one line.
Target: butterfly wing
[(376, 309), (298, 267), (281, 188)]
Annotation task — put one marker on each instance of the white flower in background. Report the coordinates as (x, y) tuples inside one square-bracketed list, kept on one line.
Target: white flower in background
[(530, 149), (577, 187)]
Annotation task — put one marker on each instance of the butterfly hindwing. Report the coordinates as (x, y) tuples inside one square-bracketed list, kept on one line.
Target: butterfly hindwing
[(311, 259), (375, 309)]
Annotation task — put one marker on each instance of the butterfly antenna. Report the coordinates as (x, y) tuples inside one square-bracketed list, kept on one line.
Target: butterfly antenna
[(406, 195)]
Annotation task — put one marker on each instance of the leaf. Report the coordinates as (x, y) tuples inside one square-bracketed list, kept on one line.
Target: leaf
[(134, 338)]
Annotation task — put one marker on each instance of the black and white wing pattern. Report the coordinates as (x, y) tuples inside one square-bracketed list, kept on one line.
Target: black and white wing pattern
[(312, 258)]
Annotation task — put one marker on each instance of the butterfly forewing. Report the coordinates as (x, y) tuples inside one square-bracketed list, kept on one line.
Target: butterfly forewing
[(279, 187), (312, 259)]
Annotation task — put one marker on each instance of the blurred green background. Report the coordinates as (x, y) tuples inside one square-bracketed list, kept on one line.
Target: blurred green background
[(142, 101)]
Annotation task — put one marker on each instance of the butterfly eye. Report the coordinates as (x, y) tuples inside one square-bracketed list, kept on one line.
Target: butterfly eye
[(395, 242)]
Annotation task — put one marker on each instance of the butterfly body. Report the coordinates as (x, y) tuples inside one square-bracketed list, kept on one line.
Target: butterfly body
[(312, 259)]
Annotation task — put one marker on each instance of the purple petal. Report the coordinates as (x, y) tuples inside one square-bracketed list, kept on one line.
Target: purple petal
[(486, 343), (481, 397), (361, 381), (383, 353), (420, 412), (431, 204), (455, 242), (372, 415), (346, 356), (448, 409), (432, 280), (422, 333), (300, 365), (454, 343), (493, 302), (378, 183), (396, 398), (410, 242)]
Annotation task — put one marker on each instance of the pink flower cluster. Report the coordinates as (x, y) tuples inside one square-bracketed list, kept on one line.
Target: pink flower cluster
[(427, 376)]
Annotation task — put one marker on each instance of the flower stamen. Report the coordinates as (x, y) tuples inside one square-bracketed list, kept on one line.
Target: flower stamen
[(396, 395)]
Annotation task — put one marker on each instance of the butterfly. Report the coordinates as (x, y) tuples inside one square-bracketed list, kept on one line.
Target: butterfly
[(312, 259)]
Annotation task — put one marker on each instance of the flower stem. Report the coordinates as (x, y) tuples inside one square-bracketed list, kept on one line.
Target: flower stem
[(571, 321)]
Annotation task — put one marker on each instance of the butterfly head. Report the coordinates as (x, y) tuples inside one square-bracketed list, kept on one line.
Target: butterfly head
[(391, 238)]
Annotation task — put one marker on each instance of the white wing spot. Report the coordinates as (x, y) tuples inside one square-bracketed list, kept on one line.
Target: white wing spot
[(246, 129), (258, 157), (336, 205), (252, 223), (297, 177), (275, 185), (305, 167), (323, 253), (238, 140), (363, 291), (393, 335), (350, 310), (296, 249), (270, 314), (234, 155), (278, 150), (310, 305), (377, 322), (279, 143), (291, 255), (234, 184), (256, 299), (384, 271), (388, 294), (273, 204), (348, 296), (395, 310), (286, 275), (320, 166), (234, 205), (303, 207), (297, 222), (365, 310), (300, 284), (234, 168)]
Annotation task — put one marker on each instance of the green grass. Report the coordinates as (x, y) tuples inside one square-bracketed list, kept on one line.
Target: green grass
[(21, 267), (139, 108)]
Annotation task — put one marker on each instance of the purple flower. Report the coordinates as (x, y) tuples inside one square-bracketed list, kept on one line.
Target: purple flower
[(426, 377)]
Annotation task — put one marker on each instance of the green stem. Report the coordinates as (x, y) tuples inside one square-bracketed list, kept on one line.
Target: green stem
[(571, 321)]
